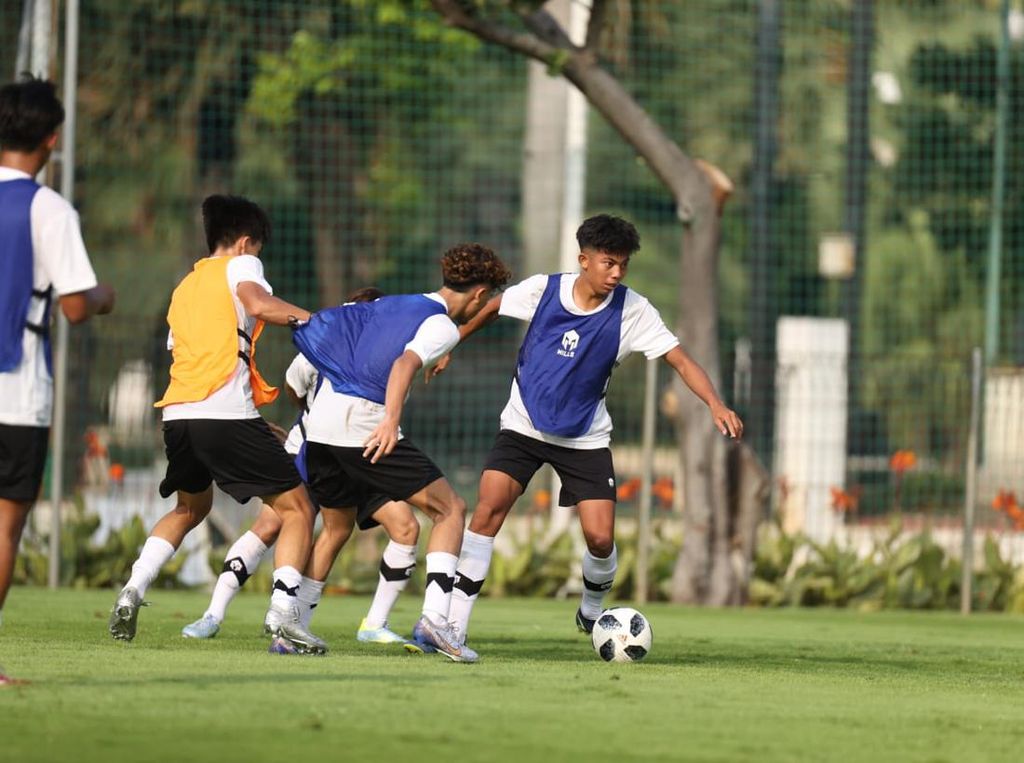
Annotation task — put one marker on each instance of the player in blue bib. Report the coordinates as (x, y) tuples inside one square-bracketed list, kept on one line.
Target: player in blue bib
[(42, 261), (581, 326)]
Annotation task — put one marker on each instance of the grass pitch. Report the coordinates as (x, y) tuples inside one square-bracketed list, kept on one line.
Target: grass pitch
[(757, 685)]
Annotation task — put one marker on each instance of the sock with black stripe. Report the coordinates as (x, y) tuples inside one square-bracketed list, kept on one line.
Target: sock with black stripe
[(598, 575), (286, 586), (396, 566), (240, 562), (474, 562), (309, 594), (437, 597)]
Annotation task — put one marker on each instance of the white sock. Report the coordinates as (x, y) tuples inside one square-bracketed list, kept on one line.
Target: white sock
[(156, 552), (240, 562), (437, 597), (310, 591), (286, 585), (396, 566), (474, 562), (598, 575)]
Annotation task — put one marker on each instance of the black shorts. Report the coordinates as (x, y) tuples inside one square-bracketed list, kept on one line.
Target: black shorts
[(22, 461), (586, 475), (243, 456), (340, 478)]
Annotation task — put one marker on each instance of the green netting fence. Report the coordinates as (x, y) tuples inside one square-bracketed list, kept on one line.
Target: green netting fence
[(376, 137)]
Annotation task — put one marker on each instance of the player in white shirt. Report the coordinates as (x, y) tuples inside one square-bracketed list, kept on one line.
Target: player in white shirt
[(367, 356), (242, 559), (41, 256), (581, 327)]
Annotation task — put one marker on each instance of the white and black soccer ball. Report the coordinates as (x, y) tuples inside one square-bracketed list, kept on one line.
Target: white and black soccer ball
[(622, 634)]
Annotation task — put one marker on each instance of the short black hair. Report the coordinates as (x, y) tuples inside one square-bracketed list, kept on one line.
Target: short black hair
[(607, 233), (227, 218), (365, 294), (30, 112)]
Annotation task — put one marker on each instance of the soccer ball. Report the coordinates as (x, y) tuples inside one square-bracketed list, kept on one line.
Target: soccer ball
[(622, 634)]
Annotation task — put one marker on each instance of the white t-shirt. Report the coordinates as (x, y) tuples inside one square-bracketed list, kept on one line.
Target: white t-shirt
[(643, 330), (234, 399), (346, 421), (301, 376), (59, 259)]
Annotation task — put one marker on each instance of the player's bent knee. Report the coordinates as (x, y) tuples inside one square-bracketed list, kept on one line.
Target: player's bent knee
[(600, 545), (406, 532)]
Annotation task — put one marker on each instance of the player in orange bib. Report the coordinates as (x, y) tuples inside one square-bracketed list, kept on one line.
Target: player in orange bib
[(212, 429)]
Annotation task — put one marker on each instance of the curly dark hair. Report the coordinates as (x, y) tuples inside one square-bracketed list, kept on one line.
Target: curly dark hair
[(607, 233), (365, 294), (467, 265)]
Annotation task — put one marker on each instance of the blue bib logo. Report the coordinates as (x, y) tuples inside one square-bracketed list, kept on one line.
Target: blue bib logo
[(570, 340)]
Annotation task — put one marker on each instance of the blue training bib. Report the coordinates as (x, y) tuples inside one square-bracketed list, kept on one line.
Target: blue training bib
[(566, 361)]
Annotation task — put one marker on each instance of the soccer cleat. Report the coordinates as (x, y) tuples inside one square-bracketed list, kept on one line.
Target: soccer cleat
[(279, 645), (381, 635), (125, 614), (443, 639), (584, 624), (284, 623), (206, 626)]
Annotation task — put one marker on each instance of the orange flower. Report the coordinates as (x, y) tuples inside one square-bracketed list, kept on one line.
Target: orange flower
[(542, 499), (902, 460), (1004, 501), (843, 500), (628, 490), (664, 490), (116, 472)]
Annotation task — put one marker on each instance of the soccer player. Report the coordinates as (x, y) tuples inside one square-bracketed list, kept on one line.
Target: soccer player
[(397, 563), (368, 355), (41, 256), (581, 326), (212, 429)]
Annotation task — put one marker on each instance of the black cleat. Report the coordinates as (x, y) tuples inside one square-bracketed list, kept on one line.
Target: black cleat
[(585, 624)]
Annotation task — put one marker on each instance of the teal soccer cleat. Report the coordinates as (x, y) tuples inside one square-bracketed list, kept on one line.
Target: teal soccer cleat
[(381, 635), (206, 626)]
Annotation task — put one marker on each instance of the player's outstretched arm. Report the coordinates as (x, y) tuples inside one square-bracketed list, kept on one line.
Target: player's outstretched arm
[(487, 315), (726, 420), (384, 438), (264, 306)]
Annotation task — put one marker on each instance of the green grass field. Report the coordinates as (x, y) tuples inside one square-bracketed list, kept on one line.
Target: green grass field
[(764, 685)]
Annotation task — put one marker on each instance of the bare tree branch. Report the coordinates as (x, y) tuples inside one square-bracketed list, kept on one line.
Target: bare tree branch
[(598, 11), (545, 26), (456, 14)]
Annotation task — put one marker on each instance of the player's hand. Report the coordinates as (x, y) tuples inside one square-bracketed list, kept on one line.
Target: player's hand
[(726, 420), (106, 296), (437, 369), (382, 441), (279, 432)]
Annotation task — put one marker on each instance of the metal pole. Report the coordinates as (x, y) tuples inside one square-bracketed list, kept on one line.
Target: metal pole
[(761, 316), (971, 491), (573, 197), (60, 365), (643, 525), (995, 229), (22, 62)]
